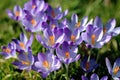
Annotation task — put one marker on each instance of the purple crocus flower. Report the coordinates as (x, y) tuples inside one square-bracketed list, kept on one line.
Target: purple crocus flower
[(17, 13), (94, 77), (23, 43), (35, 6), (56, 13), (115, 71), (9, 51), (25, 61), (109, 28), (51, 39), (67, 53), (73, 24), (88, 66), (34, 23), (94, 37), (47, 63)]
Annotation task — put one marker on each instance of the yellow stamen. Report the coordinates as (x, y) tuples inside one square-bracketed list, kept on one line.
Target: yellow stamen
[(67, 55), (33, 6), (7, 50), (77, 25), (33, 22), (73, 38), (116, 69), (53, 26), (46, 64), (53, 13), (17, 13), (93, 39), (104, 30), (22, 45), (51, 40), (87, 66), (25, 63)]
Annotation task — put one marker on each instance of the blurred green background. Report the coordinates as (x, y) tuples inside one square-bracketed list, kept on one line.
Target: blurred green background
[(105, 9)]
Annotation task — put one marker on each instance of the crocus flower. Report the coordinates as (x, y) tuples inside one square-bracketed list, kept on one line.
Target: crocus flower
[(51, 39), (94, 77), (25, 61), (34, 23), (73, 24), (67, 53), (109, 28), (115, 71), (23, 43), (94, 37), (17, 13), (35, 6), (56, 13), (9, 51), (88, 66), (73, 36), (47, 63)]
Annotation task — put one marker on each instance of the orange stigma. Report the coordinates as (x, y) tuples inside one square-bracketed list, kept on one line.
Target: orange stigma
[(104, 30), (73, 38), (33, 6), (116, 69), (7, 50), (53, 26), (22, 45), (53, 13), (17, 13), (77, 25), (93, 39), (87, 66), (25, 63), (67, 55), (51, 40), (46, 64), (33, 22)]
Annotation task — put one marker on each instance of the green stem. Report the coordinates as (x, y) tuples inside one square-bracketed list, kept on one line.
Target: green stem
[(66, 66)]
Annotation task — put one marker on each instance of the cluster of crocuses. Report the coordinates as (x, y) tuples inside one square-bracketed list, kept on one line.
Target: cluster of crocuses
[(60, 37)]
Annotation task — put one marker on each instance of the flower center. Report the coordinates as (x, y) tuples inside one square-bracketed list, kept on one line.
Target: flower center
[(53, 13), (33, 6), (53, 26), (51, 40), (87, 66), (46, 64), (104, 30), (17, 13), (77, 25), (22, 45), (25, 63), (67, 55), (73, 38), (33, 22), (93, 39), (116, 69), (7, 50)]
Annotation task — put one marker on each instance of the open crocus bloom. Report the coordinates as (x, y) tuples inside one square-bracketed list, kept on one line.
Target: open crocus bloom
[(47, 63), (67, 53), (17, 13), (25, 61), (9, 51), (23, 43), (51, 39), (94, 76), (35, 6), (115, 71), (56, 13), (88, 66)]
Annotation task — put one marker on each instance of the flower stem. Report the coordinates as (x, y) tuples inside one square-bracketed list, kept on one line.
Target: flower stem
[(66, 66)]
